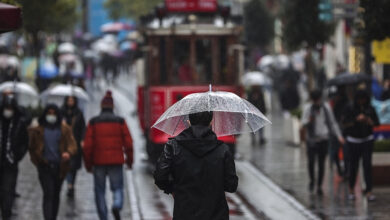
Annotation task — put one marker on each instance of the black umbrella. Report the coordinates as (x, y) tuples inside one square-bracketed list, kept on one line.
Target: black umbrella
[(348, 79)]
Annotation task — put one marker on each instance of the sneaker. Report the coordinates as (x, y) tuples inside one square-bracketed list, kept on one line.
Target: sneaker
[(351, 197), (370, 197), (115, 212)]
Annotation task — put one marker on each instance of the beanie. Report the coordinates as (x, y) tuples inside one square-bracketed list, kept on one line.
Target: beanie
[(107, 101)]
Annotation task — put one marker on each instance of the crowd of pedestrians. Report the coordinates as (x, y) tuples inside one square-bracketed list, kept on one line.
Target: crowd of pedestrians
[(57, 144)]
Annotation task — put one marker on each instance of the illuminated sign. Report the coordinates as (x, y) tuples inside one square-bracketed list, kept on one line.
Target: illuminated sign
[(191, 5)]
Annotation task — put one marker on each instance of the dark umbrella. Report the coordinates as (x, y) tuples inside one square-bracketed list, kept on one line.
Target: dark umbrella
[(348, 79)]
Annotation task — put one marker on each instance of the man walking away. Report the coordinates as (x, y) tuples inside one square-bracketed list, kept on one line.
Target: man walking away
[(319, 124), (197, 169), (106, 141), (13, 146)]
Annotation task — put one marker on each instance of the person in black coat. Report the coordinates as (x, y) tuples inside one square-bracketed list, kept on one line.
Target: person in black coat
[(358, 121), (197, 169), (256, 97), (13, 147), (75, 119)]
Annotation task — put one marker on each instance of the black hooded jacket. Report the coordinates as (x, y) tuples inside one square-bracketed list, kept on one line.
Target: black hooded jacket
[(354, 128), (197, 169)]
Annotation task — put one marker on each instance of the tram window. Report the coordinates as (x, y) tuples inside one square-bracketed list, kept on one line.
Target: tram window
[(181, 62), (203, 60), (223, 60)]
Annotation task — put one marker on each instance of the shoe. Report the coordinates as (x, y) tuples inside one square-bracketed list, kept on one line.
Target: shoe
[(351, 197), (70, 193), (115, 212), (371, 197), (311, 187), (320, 192)]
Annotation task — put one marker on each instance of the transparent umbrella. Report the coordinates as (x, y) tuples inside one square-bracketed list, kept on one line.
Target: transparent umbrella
[(256, 78), (63, 90), (231, 114)]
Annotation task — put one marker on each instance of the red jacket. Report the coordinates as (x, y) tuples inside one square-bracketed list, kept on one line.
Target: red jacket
[(106, 140)]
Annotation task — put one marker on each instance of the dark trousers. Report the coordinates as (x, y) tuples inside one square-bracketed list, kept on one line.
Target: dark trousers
[(334, 153), (8, 176), (317, 152), (364, 151), (49, 178), (71, 177)]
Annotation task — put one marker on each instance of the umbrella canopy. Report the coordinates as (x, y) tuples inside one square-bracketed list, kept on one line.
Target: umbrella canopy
[(63, 90), (232, 114), (115, 27), (256, 78), (66, 47), (13, 61), (282, 62), (19, 87), (67, 58), (348, 79), (48, 70), (266, 61)]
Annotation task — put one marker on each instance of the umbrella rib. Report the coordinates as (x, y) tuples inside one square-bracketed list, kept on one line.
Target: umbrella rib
[(247, 122)]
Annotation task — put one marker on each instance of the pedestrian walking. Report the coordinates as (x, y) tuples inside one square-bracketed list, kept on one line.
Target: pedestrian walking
[(197, 169), (51, 146), (106, 141), (339, 101), (256, 97), (319, 124), (13, 147), (358, 120), (75, 119)]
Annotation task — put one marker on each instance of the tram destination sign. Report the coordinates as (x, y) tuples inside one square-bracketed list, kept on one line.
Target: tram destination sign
[(191, 5)]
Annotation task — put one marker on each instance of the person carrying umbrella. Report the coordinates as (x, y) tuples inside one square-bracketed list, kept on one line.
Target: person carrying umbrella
[(13, 146), (256, 97), (75, 119), (319, 124), (358, 120), (197, 169)]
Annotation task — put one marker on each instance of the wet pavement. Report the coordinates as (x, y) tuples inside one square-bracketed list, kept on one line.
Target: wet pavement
[(280, 191), (286, 165)]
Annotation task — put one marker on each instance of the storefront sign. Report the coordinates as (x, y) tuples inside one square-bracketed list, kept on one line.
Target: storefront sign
[(191, 5)]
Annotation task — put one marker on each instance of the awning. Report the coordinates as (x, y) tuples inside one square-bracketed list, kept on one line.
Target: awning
[(10, 17)]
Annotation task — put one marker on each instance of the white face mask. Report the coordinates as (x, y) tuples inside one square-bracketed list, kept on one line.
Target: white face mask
[(51, 119), (8, 113)]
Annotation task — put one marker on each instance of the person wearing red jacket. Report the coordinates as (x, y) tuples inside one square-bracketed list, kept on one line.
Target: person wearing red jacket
[(106, 141)]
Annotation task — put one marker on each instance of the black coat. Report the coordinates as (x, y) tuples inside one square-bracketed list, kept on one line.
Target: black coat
[(197, 169), (75, 119), (19, 137), (353, 128)]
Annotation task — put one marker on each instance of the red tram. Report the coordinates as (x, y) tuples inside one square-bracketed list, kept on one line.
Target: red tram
[(189, 44)]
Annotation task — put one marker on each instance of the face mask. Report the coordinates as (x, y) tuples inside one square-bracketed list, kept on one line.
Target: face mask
[(8, 113), (51, 119)]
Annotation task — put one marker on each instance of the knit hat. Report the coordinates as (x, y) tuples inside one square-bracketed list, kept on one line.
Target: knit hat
[(107, 101)]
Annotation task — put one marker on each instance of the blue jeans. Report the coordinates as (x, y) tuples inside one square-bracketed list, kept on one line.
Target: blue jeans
[(115, 175)]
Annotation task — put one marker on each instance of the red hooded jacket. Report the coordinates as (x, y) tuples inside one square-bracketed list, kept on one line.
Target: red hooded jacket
[(106, 141)]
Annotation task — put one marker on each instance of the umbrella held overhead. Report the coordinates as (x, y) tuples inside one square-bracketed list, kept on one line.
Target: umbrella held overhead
[(231, 114)]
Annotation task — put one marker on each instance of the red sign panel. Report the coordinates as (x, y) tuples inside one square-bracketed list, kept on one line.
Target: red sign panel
[(191, 5)]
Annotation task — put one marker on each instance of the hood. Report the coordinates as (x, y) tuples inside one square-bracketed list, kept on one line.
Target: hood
[(198, 139)]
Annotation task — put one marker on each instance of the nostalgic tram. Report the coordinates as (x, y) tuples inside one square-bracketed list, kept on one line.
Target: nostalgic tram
[(189, 44)]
